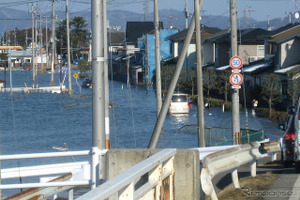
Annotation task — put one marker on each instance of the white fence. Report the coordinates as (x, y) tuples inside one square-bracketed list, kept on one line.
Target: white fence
[(153, 171), (158, 168), (82, 173)]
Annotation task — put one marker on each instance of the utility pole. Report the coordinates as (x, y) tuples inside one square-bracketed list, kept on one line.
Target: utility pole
[(162, 115), (32, 44), (201, 130), (146, 63), (127, 65), (68, 49), (53, 43), (60, 63), (46, 27), (106, 82), (36, 42), (26, 38), (234, 51), (41, 43), (98, 60), (157, 59)]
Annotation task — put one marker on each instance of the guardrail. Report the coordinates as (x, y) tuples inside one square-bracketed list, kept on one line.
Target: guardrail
[(82, 173), (144, 179), (159, 172), (231, 159)]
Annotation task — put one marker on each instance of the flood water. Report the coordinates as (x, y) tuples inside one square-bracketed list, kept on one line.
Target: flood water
[(36, 122)]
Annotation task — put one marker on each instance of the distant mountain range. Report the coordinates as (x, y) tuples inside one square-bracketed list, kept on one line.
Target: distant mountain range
[(11, 19)]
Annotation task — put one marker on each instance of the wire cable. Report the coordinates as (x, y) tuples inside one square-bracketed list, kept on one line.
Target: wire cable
[(15, 135)]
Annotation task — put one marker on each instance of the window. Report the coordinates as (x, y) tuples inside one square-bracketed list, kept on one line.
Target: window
[(257, 81), (288, 46), (284, 87), (260, 51)]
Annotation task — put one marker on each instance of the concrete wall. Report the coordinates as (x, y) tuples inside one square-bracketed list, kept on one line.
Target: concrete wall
[(245, 51), (289, 53), (187, 168)]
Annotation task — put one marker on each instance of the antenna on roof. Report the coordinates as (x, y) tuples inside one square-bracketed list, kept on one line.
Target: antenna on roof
[(248, 11), (268, 26)]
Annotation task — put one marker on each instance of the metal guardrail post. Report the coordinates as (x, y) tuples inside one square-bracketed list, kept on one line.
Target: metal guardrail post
[(71, 194), (253, 168), (235, 178), (94, 167), (231, 159)]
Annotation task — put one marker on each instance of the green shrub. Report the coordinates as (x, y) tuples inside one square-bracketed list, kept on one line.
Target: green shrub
[(216, 102)]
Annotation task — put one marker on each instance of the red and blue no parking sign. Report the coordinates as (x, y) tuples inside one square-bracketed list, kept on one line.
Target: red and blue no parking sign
[(236, 79)]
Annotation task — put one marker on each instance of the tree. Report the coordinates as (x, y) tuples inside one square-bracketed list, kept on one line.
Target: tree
[(84, 66), (191, 80), (166, 75), (270, 90), (293, 87), (3, 56), (61, 35), (79, 31), (223, 85), (209, 80)]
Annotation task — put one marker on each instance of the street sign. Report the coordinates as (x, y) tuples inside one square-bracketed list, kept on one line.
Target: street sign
[(75, 75), (236, 62), (236, 79)]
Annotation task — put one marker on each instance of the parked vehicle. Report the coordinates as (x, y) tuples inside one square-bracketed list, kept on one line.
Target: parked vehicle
[(87, 83), (179, 104), (297, 136), (288, 142), (76, 62)]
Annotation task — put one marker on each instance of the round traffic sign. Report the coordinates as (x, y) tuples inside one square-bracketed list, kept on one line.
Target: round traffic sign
[(236, 62), (236, 79)]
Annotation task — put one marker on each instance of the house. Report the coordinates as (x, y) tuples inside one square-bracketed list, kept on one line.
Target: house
[(207, 50), (22, 59), (137, 54), (146, 57), (115, 54), (250, 46), (136, 29), (283, 47)]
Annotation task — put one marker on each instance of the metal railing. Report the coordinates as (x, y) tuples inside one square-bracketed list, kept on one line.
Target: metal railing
[(156, 171), (217, 136), (82, 173), (229, 160), (143, 181)]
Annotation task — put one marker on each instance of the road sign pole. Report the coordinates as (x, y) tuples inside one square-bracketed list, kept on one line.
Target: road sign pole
[(235, 92)]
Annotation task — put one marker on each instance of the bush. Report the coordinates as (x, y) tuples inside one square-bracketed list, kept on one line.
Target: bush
[(216, 102), (278, 116), (84, 66), (262, 112)]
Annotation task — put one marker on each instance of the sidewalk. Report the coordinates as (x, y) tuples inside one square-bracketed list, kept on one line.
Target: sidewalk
[(287, 186)]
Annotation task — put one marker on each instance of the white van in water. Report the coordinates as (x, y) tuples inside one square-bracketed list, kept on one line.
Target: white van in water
[(179, 104), (297, 134)]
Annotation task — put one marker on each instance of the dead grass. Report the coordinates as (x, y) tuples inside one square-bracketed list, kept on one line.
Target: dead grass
[(250, 185)]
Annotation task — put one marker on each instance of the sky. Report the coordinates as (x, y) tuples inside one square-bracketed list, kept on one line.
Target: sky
[(257, 9)]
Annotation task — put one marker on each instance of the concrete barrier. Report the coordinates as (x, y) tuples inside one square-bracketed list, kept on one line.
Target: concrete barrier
[(187, 168)]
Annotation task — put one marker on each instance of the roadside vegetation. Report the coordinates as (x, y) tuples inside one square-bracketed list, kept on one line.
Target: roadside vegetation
[(217, 90), (253, 188)]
